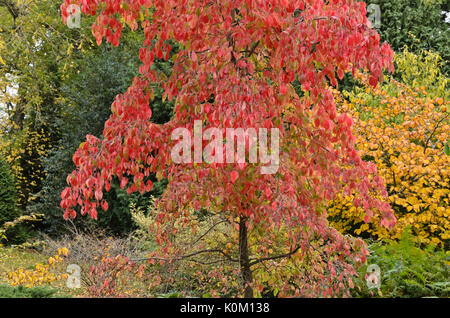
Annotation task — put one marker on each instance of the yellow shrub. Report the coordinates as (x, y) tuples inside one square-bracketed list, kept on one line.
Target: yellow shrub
[(407, 137), (422, 71), (41, 274), (24, 151)]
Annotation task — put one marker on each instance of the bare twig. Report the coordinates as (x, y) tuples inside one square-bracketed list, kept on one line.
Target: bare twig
[(185, 257), (262, 259)]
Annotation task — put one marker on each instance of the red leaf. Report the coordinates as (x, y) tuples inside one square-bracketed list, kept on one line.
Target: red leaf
[(65, 193), (104, 205), (234, 176)]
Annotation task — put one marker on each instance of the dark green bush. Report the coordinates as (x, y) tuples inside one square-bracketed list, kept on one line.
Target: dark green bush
[(407, 270), (8, 210), (418, 24), (19, 234)]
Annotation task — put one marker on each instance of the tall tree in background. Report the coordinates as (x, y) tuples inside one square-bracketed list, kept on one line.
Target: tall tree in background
[(37, 54), (56, 87)]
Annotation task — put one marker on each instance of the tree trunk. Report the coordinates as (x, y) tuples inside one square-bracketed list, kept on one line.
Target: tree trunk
[(244, 258)]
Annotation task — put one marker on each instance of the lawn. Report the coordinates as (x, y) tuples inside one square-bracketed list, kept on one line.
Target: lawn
[(13, 259)]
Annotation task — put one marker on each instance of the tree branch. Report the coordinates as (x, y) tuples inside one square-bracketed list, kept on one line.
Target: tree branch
[(183, 257), (434, 130), (209, 230), (262, 259)]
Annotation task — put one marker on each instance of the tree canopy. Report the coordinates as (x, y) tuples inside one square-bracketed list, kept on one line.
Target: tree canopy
[(235, 67)]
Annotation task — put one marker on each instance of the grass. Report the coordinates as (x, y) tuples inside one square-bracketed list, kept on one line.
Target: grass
[(12, 259), (24, 292)]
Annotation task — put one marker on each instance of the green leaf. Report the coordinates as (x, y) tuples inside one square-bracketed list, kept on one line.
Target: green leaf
[(447, 149)]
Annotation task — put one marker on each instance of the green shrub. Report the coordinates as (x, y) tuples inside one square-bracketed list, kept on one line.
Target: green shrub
[(20, 230), (407, 270), (423, 69), (8, 210), (86, 105), (23, 292), (19, 234), (418, 24)]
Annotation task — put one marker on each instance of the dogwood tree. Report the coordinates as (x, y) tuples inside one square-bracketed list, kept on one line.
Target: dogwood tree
[(237, 62)]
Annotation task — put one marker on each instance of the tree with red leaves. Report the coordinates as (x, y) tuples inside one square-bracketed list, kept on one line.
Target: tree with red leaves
[(235, 68)]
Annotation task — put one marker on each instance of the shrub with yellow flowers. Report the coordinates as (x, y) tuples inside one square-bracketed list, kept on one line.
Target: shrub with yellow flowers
[(406, 134), (422, 70), (42, 273)]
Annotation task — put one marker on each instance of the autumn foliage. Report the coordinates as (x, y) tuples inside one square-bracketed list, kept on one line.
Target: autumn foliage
[(24, 154), (235, 68), (41, 273), (405, 133)]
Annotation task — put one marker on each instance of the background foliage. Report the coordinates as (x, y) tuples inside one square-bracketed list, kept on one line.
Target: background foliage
[(417, 24), (405, 133), (407, 270), (57, 86), (8, 210)]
